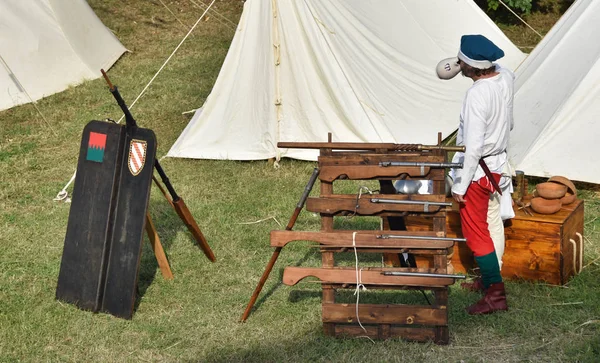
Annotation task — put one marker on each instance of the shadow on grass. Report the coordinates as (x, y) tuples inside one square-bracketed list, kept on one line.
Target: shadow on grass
[(162, 214), (307, 256)]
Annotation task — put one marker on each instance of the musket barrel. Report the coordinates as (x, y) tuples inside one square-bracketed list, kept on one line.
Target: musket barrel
[(166, 181), (132, 123), (393, 236), (422, 274), (120, 101), (413, 202), (308, 188), (365, 146), (421, 164)]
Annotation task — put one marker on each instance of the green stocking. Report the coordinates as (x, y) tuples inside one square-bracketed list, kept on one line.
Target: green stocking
[(490, 269)]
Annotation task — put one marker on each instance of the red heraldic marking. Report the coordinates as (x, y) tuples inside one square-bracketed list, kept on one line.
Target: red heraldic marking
[(137, 156), (96, 146)]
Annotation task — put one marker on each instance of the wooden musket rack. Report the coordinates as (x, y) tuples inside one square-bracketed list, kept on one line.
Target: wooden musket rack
[(368, 161)]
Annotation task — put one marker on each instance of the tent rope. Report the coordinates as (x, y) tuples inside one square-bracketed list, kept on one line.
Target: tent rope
[(220, 16), (63, 193), (518, 17), (168, 59), (175, 16), (20, 85)]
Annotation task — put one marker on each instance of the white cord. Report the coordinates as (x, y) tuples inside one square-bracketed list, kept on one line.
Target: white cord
[(168, 59), (359, 284), (515, 14), (175, 16), (232, 26), (360, 191), (22, 88), (62, 195)]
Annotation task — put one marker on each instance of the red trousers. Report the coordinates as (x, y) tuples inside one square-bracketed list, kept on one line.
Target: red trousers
[(473, 216)]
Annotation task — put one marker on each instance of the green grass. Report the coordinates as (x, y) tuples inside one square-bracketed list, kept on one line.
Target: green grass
[(195, 316)]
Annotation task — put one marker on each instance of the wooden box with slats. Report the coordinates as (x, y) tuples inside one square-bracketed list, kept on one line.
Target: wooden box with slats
[(541, 247)]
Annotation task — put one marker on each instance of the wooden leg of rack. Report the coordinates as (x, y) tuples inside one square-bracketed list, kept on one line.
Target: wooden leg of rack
[(161, 258)]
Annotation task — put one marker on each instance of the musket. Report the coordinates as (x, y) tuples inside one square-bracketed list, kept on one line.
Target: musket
[(365, 146), (176, 201), (275, 255), (421, 164), (422, 274), (425, 238)]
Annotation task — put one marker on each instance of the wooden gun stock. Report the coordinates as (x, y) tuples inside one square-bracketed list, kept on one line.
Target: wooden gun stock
[(277, 251), (347, 275), (185, 215)]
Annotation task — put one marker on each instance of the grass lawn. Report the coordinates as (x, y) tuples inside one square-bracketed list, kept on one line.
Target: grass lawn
[(195, 316)]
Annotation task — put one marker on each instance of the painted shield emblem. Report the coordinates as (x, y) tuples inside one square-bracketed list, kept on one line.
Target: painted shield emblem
[(137, 156)]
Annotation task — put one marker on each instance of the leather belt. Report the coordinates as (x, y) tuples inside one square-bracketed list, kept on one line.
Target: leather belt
[(488, 173)]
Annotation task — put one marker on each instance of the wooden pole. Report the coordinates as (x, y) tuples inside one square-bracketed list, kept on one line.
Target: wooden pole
[(159, 252), (275, 255)]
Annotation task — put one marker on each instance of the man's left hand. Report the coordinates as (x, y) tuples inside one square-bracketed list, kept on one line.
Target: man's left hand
[(459, 198)]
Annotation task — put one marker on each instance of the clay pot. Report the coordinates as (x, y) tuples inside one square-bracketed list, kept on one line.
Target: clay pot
[(545, 206), (550, 190), (566, 182), (568, 198)]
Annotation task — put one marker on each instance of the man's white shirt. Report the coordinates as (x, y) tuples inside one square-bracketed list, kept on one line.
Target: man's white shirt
[(486, 120)]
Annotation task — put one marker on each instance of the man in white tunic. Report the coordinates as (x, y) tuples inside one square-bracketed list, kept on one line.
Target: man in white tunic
[(486, 119)]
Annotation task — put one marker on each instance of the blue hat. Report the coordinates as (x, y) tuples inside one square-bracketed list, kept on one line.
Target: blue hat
[(478, 51)]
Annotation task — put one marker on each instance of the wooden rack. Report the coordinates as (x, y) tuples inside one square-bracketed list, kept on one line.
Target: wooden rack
[(380, 321)]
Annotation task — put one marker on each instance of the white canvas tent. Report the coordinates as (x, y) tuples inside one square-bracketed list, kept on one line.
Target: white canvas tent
[(362, 70), (557, 100), (48, 45)]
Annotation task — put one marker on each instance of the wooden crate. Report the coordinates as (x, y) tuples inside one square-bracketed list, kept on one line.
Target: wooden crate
[(538, 248)]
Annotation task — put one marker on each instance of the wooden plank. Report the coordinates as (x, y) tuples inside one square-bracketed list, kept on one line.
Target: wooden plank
[(385, 314), (416, 334), (572, 225), (292, 275), (159, 252), (327, 258), (349, 331), (361, 239), (520, 273), (100, 263), (88, 236), (365, 158), (384, 331), (337, 203), (129, 219)]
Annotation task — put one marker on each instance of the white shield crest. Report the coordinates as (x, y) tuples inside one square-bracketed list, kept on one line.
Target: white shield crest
[(137, 156)]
